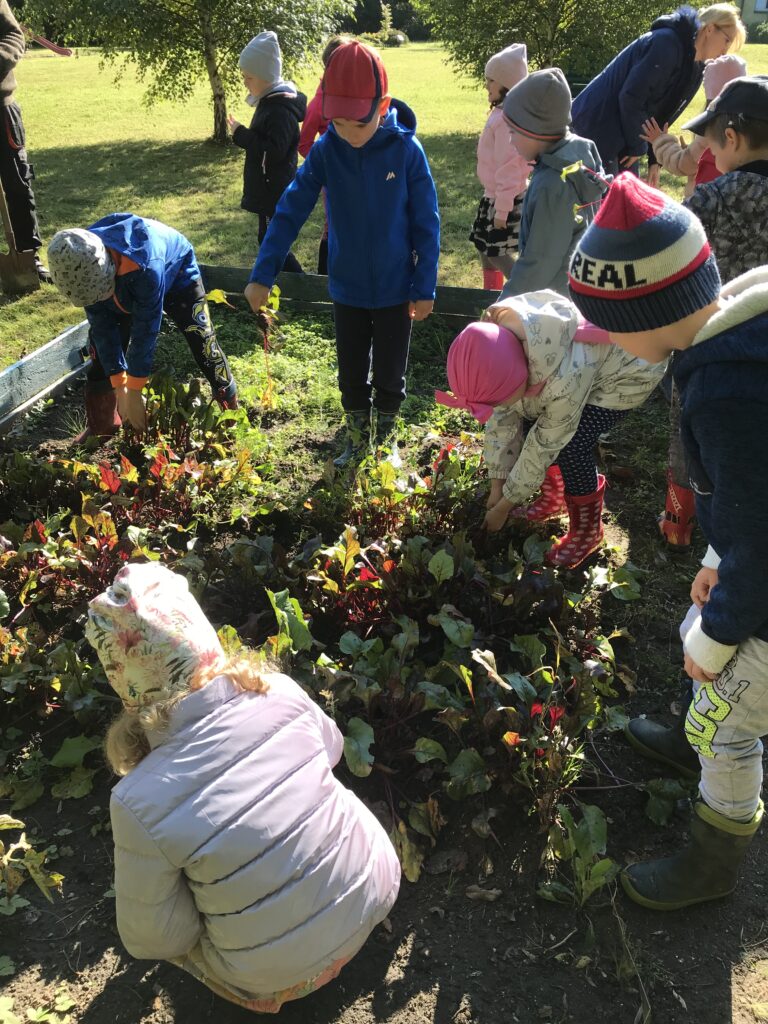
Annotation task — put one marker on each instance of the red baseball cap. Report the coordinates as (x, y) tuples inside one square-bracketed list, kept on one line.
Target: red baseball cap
[(354, 83)]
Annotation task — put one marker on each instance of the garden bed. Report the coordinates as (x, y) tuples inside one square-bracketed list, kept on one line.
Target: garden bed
[(477, 690)]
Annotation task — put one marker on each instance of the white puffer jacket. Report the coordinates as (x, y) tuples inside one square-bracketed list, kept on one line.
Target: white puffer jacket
[(234, 839)]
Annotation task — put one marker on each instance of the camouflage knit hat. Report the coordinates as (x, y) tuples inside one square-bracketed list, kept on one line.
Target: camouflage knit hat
[(81, 267), (151, 635)]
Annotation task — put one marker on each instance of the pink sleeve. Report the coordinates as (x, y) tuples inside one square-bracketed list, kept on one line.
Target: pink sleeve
[(511, 171), (311, 125)]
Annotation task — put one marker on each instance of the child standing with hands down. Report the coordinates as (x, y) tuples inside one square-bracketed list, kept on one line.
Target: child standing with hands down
[(534, 361), (272, 140), (673, 303), (502, 171), (238, 856), (383, 238), (566, 186)]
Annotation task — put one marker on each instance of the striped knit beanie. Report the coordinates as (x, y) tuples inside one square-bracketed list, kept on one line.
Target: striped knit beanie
[(643, 263)]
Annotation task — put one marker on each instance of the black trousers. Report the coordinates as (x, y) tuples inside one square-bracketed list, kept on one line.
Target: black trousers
[(188, 310), (372, 350), (291, 264), (16, 174)]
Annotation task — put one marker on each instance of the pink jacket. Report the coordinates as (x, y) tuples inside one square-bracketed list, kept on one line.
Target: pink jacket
[(314, 123), (500, 168)]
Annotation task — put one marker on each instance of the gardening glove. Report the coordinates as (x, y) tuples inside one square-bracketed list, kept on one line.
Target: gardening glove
[(130, 405)]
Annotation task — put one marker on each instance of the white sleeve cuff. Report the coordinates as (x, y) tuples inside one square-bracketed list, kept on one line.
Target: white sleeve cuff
[(706, 652), (711, 561)]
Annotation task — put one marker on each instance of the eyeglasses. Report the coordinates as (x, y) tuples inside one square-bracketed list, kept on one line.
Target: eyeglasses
[(729, 39)]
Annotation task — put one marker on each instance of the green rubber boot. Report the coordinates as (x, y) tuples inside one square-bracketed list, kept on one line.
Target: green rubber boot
[(706, 869), (668, 746), (385, 435), (358, 438)]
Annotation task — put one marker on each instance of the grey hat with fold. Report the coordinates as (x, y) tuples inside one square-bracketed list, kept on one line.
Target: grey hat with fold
[(741, 98), (540, 105)]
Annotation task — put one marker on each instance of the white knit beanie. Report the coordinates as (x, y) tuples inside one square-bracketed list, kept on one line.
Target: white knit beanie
[(261, 58), (508, 67), (81, 267)]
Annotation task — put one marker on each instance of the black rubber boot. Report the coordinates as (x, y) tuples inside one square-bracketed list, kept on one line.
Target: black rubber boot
[(668, 746), (706, 869), (358, 438), (384, 435), (101, 415)]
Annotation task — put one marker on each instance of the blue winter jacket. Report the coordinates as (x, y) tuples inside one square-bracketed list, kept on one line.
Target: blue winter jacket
[(383, 222), (166, 263), (723, 382), (655, 76)]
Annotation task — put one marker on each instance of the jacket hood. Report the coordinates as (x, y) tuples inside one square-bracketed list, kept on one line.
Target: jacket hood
[(406, 118), (287, 93), (684, 22), (575, 160), (399, 120), (127, 234)]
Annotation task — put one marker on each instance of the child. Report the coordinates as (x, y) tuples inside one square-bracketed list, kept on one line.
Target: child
[(383, 238), (734, 211), (315, 124), (566, 185), (696, 161), (271, 142), (502, 172), (126, 270), (535, 362), (238, 856), (645, 272)]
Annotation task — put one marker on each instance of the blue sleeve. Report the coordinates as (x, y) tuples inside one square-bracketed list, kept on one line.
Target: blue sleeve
[(147, 289), (424, 219), (730, 439), (296, 204), (646, 79), (104, 322)]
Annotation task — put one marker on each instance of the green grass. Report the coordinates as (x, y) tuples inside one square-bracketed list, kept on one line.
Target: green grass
[(97, 149)]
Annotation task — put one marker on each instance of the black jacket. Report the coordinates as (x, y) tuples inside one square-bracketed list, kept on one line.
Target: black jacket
[(271, 148)]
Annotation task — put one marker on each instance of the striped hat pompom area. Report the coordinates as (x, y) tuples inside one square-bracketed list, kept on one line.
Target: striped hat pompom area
[(643, 263)]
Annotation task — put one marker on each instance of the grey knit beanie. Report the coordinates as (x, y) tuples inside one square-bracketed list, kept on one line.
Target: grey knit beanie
[(81, 267), (262, 58), (540, 105)]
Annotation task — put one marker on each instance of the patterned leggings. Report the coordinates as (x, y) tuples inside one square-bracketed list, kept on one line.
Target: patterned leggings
[(577, 460)]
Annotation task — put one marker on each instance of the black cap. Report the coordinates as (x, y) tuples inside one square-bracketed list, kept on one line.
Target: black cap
[(741, 97)]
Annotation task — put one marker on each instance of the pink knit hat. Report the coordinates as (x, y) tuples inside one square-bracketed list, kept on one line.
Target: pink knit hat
[(150, 634), (486, 366), (720, 72), (508, 67)]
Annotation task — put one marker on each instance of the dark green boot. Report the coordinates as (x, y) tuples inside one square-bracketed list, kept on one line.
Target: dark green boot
[(668, 746), (385, 435), (706, 869), (358, 438)]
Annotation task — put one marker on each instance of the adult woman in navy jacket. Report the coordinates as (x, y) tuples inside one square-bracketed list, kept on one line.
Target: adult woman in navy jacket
[(655, 76)]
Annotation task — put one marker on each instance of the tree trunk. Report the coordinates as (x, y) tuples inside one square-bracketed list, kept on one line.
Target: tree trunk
[(220, 133)]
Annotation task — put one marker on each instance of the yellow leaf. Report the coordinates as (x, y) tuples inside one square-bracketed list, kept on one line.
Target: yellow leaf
[(218, 295), (571, 169)]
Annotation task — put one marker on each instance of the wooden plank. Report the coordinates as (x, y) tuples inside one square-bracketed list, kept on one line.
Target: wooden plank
[(311, 289), (37, 374)]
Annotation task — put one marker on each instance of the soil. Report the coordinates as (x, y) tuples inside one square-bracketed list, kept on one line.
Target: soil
[(443, 958)]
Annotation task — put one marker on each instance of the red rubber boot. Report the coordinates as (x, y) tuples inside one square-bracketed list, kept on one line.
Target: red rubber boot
[(551, 502), (101, 415), (679, 517), (585, 532), (493, 280)]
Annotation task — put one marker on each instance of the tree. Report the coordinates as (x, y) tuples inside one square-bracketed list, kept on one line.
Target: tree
[(173, 43), (580, 36)]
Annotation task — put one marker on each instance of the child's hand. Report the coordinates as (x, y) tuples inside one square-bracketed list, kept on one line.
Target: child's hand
[(497, 516), (257, 295), (702, 586), (233, 123), (651, 130), (495, 494), (421, 309), (500, 223), (628, 161), (696, 672)]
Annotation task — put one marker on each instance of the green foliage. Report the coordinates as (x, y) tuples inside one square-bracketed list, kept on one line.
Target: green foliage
[(561, 33), (582, 846), (759, 33)]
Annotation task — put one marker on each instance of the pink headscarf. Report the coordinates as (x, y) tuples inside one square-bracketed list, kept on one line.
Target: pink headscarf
[(486, 366)]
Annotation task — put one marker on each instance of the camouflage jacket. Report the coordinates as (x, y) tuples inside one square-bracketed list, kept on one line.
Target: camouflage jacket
[(734, 211)]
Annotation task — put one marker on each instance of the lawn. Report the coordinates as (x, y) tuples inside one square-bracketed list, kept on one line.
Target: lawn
[(96, 149)]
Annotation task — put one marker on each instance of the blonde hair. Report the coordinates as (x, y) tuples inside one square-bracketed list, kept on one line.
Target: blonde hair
[(332, 46), (127, 742), (725, 16)]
